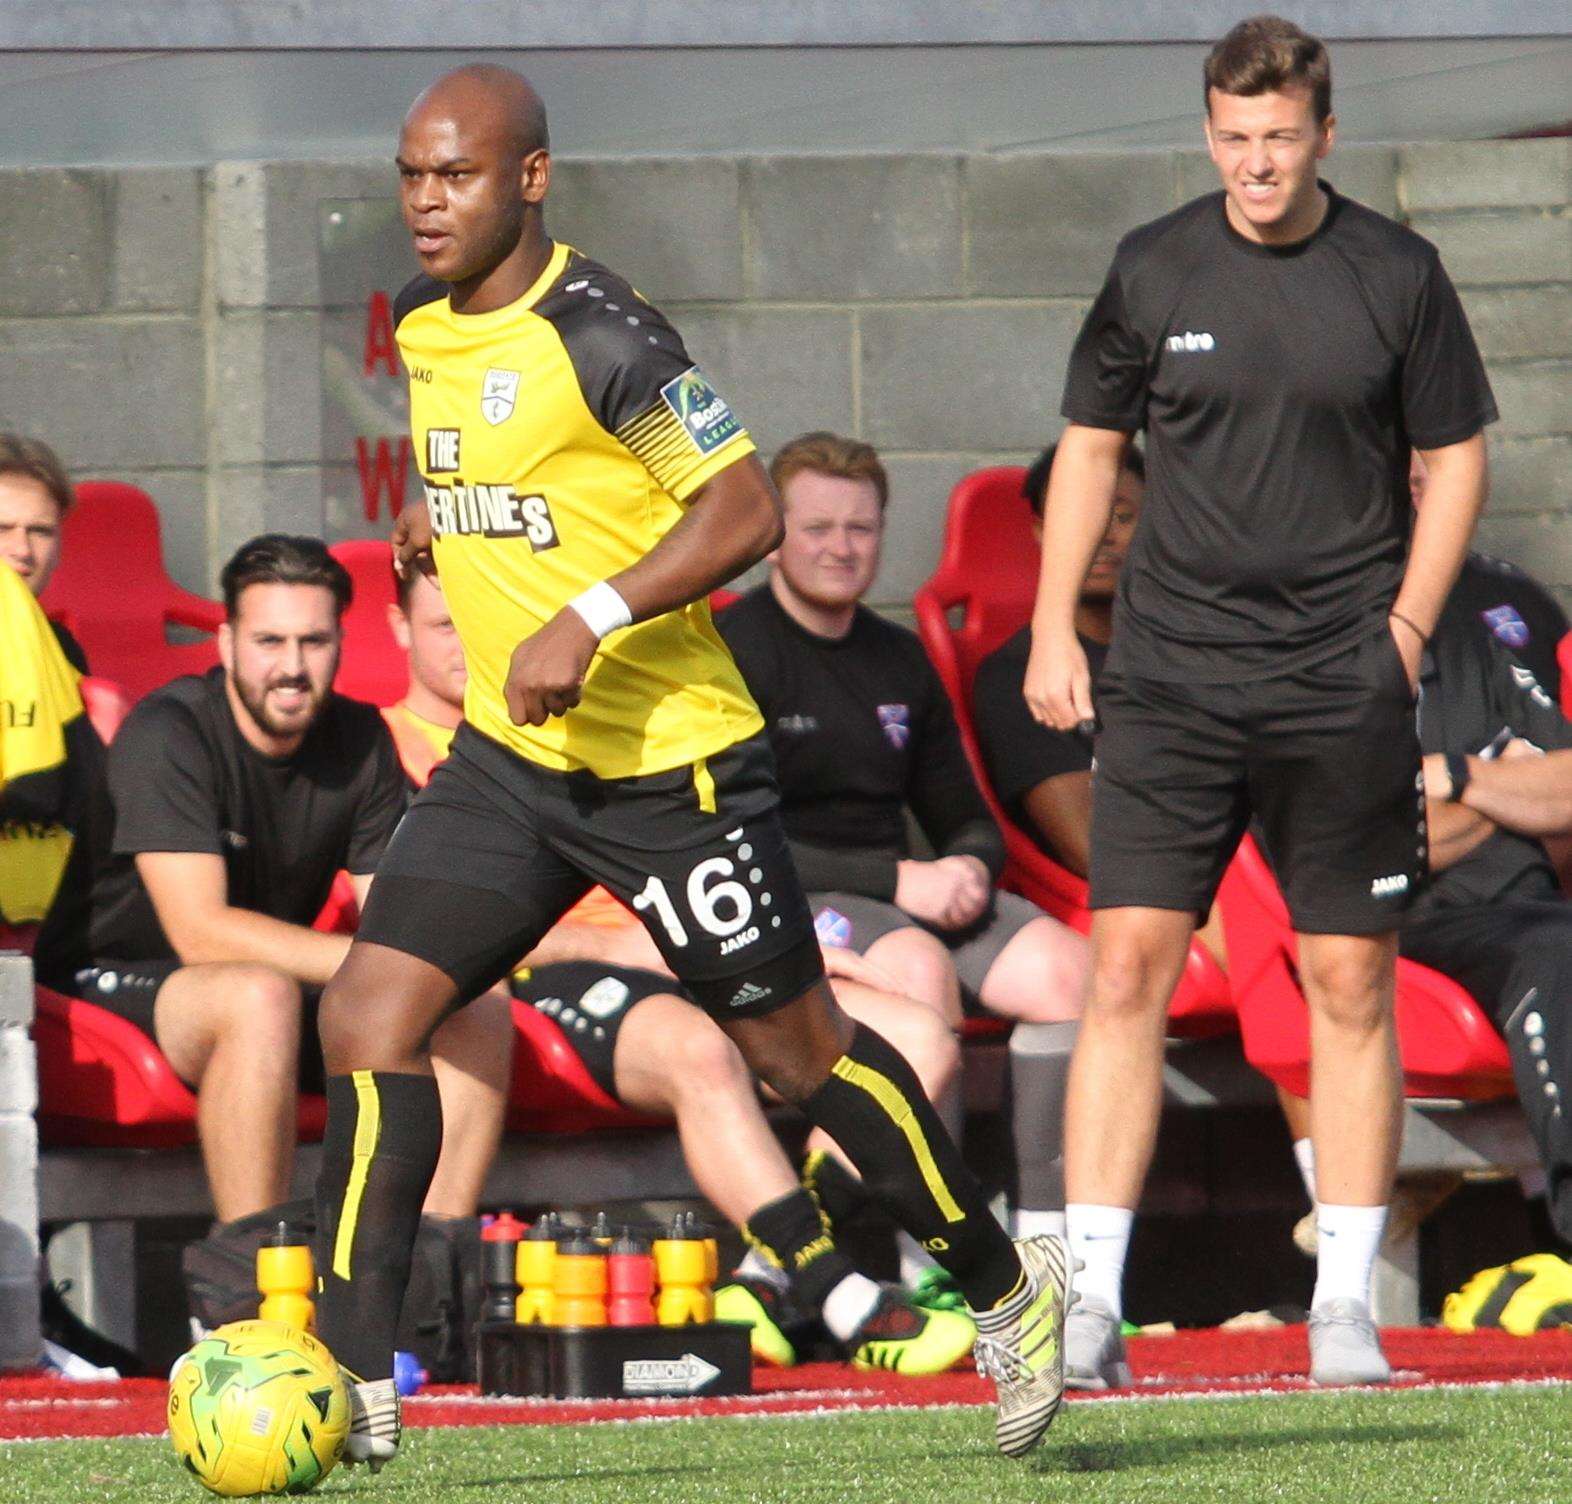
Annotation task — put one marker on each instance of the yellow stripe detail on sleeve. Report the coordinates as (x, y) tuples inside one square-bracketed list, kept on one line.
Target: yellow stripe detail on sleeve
[(889, 1097), (368, 1129), (704, 785)]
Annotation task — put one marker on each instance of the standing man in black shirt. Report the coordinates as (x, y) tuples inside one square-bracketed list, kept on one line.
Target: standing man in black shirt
[(238, 796), (1283, 348)]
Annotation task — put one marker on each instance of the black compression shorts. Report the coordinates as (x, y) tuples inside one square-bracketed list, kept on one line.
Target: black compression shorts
[(495, 849)]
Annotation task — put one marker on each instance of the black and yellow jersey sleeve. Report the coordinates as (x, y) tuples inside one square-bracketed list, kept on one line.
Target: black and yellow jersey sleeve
[(40, 701), (560, 438)]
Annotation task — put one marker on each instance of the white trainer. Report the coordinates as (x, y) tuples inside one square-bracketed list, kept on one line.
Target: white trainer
[(1345, 1347), (1094, 1355)]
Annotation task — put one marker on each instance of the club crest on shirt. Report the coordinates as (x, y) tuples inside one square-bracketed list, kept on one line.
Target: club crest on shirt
[(499, 390), (706, 417), (1507, 625), (895, 721)]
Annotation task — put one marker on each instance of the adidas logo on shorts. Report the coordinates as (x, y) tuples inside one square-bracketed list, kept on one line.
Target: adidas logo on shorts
[(749, 992)]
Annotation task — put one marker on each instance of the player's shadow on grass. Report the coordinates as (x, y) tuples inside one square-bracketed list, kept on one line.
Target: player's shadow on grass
[(1167, 1451)]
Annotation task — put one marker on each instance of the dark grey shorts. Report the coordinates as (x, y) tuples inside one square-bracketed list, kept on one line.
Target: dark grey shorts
[(851, 920)]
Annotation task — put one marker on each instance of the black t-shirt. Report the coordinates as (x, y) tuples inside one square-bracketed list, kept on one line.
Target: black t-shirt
[(183, 778), (862, 729), (1524, 617), (76, 654), (1018, 750), (1280, 389), (1474, 696)]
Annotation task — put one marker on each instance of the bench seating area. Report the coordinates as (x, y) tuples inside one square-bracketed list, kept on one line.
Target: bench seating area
[(117, 1127)]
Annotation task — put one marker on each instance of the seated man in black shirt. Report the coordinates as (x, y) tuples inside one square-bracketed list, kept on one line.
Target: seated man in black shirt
[(1498, 788), (35, 496), (863, 733), (238, 796)]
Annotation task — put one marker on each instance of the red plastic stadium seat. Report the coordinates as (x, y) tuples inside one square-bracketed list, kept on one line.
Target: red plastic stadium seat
[(107, 705), (552, 1090), (988, 573), (112, 591), (1447, 1045), (1564, 663), (102, 1081), (373, 666)]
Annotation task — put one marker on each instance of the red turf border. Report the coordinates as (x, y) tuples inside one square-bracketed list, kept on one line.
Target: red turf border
[(1200, 1362)]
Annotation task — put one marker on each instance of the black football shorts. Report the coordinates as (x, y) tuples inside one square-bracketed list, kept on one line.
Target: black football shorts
[(496, 848), (1325, 760)]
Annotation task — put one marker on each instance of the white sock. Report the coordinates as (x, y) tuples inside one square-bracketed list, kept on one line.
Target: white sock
[(846, 1307), (1304, 1153), (757, 1267), (1100, 1239), (1347, 1240), (915, 1259), (1031, 1224)]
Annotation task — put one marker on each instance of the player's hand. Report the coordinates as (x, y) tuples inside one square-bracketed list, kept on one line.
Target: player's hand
[(1410, 647), (1059, 683), (546, 673), (949, 893), (847, 966), (411, 540)]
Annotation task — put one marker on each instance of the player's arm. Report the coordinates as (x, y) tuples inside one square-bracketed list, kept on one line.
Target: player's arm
[(1061, 809), (731, 522), (190, 894), (1453, 831), (1079, 503), (1454, 496), (1529, 794)]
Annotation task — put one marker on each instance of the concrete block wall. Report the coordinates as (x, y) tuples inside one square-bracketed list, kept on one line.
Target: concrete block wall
[(20, 1342), (168, 325)]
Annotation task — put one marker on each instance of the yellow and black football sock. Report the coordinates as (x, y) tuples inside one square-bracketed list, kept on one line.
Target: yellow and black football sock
[(791, 1232), (840, 1194), (384, 1132), (873, 1106)]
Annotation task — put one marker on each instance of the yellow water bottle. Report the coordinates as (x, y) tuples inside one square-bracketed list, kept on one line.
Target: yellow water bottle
[(682, 1266), (578, 1282), (285, 1279), (537, 1257)]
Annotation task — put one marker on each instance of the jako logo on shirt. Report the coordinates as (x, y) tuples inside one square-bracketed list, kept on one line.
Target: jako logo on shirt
[(1179, 343), (1389, 887), (704, 414)]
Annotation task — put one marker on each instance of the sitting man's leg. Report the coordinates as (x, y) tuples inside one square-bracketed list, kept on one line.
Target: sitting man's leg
[(472, 1056), (669, 1059), (232, 1032)]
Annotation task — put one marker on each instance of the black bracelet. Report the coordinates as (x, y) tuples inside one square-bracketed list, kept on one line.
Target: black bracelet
[(1423, 637), (1457, 771)]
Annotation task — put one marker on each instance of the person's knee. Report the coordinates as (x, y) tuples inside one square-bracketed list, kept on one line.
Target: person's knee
[(1040, 975), (258, 1010), (702, 1061), (1132, 977), (1346, 989), (928, 1044), (923, 968), (478, 1038)]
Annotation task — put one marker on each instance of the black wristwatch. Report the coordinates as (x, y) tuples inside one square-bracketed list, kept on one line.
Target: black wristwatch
[(1457, 771)]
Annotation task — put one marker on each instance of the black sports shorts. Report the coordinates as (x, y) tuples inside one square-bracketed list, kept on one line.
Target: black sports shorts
[(1326, 759), (589, 1000), (130, 989), (496, 848)]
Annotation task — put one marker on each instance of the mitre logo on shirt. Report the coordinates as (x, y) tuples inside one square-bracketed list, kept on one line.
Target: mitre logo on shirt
[(491, 512), (442, 450), (705, 416), (896, 723), (1191, 341), (499, 390)]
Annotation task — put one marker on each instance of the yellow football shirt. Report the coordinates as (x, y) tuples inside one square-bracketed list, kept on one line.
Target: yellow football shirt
[(39, 699), (559, 438)]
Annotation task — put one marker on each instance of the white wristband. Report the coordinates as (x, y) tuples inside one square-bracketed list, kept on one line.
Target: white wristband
[(602, 609)]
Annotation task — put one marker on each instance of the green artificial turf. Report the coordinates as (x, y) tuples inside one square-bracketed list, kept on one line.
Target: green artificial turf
[(1479, 1446)]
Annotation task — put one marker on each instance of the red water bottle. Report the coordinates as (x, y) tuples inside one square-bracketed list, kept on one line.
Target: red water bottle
[(630, 1281)]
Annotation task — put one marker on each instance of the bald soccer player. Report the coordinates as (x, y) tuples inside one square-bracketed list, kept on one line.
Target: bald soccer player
[(586, 488)]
